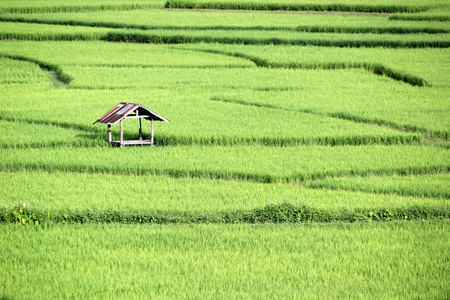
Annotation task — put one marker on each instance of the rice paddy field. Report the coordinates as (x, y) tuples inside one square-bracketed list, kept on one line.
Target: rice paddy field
[(306, 157)]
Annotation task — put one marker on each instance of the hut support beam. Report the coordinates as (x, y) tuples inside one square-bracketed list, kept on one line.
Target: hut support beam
[(121, 133), (152, 134), (140, 129), (109, 133)]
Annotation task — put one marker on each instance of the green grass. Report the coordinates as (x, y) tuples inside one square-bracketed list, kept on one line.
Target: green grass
[(392, 260), (198, 20), (435, 185)]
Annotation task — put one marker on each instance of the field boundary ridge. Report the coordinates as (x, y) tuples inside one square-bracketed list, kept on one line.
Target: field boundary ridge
[(281, 213)]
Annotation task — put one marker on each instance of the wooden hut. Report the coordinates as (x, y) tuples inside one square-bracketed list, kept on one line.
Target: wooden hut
[(125, 110)]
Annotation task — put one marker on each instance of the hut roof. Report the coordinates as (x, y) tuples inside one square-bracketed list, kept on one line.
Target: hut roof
[(123, 109)]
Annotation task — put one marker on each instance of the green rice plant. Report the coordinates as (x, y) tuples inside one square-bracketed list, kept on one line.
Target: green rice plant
[(20, 72), (280, 90), (363, 102), (291, 95), (430, 185), (57, 167), (93, 198), (31, 6), (52, 71), (440, 15), (295, 5), (213, 126), (260, 164), (230, 78), (44, 32), (237, 20), (392, 260), (250, 124), (277, 37), (429, 64), (357, 106), (97, 53), (24, 135), (384, 106)]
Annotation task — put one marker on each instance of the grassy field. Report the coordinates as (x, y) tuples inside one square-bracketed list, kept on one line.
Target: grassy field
[(307, 153)]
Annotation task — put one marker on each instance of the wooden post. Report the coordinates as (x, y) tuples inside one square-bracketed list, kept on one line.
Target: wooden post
[(121, 133), (140, 129), (152, 133), (109, 133)]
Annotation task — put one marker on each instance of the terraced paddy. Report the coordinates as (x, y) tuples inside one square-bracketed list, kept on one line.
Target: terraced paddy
[(307, 154)]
